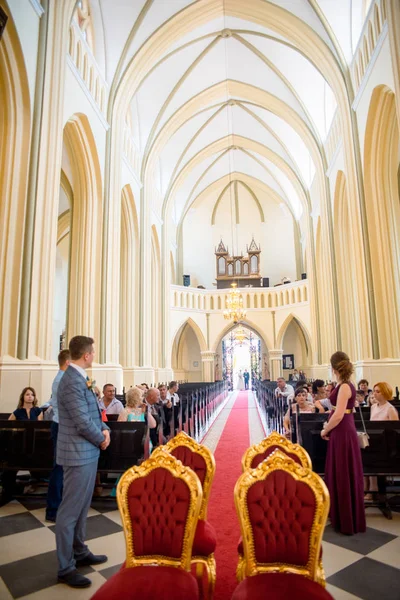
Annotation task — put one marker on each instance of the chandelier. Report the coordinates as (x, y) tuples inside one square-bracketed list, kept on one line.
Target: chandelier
[(240, 335), (234, 305)]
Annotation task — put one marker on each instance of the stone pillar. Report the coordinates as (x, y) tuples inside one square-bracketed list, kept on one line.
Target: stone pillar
[(208, 358), (35, 334), (275, 364)]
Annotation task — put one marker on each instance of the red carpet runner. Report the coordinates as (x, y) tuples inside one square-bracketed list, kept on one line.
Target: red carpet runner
[(221, 510)]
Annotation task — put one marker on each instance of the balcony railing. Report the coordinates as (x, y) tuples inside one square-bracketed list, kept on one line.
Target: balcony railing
[(188, 298)]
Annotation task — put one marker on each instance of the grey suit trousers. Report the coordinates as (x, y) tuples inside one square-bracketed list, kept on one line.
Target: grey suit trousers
[(71, 516)]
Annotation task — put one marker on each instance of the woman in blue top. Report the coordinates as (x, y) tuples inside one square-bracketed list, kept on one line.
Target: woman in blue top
[(27, 409)]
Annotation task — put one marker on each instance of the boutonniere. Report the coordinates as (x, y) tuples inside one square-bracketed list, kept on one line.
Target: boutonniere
[(91, 384)]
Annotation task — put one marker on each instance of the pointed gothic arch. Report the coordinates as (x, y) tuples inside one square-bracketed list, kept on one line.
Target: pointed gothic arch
[(86, 229), (15, 135), (305, 337), (383, 215), (129, 290)]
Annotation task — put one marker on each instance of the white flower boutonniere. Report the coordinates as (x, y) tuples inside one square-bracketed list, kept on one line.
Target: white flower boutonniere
[(91, 384)]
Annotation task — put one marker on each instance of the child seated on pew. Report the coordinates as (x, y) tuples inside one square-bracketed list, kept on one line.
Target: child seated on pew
[(381, 410)]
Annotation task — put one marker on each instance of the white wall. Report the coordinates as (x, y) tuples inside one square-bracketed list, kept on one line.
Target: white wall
[(275, 236)]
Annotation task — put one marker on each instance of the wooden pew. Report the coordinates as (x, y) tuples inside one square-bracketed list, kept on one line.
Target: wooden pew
[(380, 458)]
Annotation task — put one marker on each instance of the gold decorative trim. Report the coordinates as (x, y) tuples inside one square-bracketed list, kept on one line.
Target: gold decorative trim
[(161, 460), (182, 439), (275, 439), (281, 462)]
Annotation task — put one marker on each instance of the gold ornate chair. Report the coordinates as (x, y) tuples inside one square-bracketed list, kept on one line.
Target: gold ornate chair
[(201, 460), (160, 503), (275, 441), (282, 509), (259, 452)]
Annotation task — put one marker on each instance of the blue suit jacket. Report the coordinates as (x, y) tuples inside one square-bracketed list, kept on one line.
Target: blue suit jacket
[(80, 425)]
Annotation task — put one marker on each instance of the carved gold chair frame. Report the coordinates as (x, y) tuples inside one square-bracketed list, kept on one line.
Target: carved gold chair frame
[(207, 562), (276, 439), (160, 459), (279, 461)]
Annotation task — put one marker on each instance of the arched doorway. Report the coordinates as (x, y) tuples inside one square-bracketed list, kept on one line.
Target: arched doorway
[(186, 353), (241, 351)]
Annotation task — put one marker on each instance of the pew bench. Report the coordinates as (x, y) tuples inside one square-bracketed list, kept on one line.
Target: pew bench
[(27, 446), (381, 458)]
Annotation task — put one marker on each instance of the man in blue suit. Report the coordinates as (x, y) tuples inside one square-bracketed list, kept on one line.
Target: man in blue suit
[(81, 435)]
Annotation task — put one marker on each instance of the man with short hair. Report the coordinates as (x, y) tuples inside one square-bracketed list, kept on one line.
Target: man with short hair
[(367, 393), (109, 402), (156, 409), (81, 435), (283, 389), (246, 377), (54, 491), (172, 392), (167, 409)]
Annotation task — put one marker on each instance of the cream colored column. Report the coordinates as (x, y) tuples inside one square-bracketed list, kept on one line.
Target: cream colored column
[(35, 333), (275, 364), (208, 363), (393, 19)]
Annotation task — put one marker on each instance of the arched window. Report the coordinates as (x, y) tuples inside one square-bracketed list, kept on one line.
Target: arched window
[(254, 264), (221, 266), (238, 267)]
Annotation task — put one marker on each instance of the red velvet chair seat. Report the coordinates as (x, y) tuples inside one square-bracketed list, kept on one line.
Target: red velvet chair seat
[(205, 539), (149, 583), (279, 586)]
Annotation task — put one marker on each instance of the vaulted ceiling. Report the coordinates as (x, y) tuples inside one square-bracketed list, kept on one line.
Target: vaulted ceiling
[(229, 95)]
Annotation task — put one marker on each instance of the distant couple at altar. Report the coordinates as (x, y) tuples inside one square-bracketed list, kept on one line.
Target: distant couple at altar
[(242, 380)]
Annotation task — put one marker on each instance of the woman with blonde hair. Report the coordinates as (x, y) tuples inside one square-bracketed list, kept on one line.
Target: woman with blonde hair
[(343, 467), (136, 409)]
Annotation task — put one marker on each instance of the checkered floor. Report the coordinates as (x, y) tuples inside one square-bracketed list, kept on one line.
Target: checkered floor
[(364, 566)]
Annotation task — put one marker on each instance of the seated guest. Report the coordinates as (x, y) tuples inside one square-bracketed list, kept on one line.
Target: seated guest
[(321, 402), (304, 407), (167, 408), (359, 399), (145, 387), (27, 409), (330, 386), (136, 409), (295, 375), (368, 395), (109, 402), (381, 410), (156, 410), (283, 389)]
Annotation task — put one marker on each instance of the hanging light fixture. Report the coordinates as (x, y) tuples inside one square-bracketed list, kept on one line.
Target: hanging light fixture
[(240, 335), (234, 305)]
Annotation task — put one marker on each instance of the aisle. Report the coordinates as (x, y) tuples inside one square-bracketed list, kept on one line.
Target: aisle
[(221, 512)]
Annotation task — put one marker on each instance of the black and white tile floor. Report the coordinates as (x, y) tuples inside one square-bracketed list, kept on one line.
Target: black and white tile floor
[(365, 566)]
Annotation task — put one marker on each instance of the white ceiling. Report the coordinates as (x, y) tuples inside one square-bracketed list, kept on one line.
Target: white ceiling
[(256, 57)]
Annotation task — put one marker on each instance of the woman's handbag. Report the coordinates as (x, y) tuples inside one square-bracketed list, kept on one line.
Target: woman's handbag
[(363, 437)]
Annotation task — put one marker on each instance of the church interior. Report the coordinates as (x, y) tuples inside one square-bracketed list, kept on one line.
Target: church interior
[(209, 189)]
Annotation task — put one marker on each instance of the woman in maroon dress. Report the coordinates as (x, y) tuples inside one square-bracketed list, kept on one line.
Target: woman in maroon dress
[(343, 468)]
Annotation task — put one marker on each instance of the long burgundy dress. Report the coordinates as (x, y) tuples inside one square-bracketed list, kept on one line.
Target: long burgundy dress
[(344, 472)]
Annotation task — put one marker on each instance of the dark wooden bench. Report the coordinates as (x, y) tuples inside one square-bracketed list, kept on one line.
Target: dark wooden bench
[(381, 458)]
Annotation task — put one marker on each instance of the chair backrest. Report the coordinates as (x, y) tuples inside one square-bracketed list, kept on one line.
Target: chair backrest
[(275, 441), (282, 508), (160, 503), (199, 458)]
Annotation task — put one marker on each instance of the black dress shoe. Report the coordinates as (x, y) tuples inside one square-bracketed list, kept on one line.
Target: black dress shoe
[(50, 519), (75, 579), (92, 559)]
